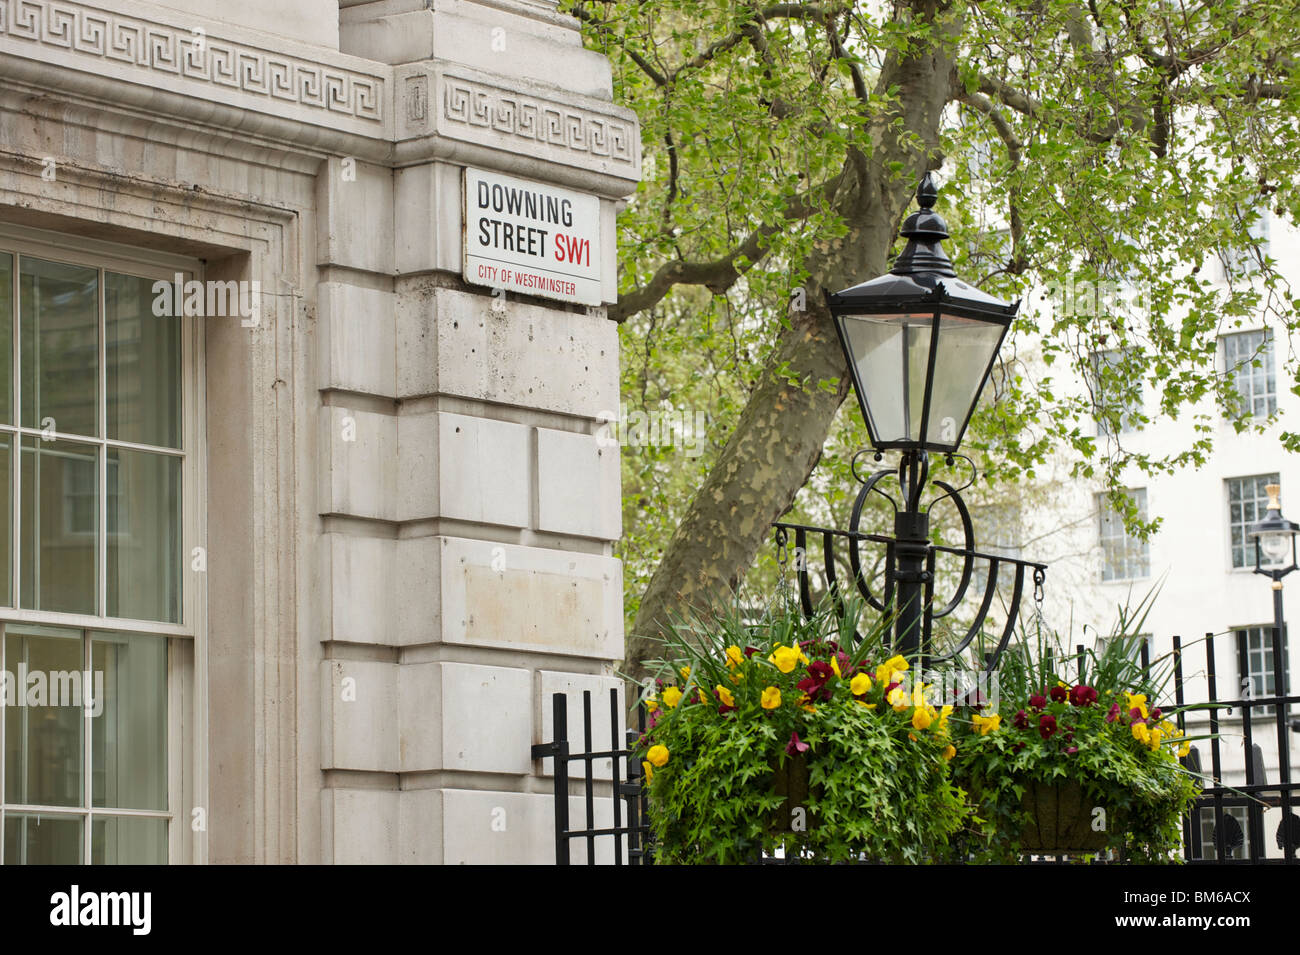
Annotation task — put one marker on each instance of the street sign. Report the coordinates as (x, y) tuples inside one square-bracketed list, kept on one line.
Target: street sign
[(531, 238)]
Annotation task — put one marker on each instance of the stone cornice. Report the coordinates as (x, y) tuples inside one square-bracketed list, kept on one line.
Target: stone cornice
[(309, 100)]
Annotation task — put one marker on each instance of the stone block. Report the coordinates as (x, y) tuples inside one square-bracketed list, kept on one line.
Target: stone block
[(359, 705), (356, 336), (578, 485), (572, 685), (354, 226), (360, 826), (467, 717), (498, 828), (416, 466), (453, 342), (484, 472), (428, 218), (531, 598), (359, 473)]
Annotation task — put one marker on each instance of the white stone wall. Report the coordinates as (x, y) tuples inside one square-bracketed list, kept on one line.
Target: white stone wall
[(410, 522)]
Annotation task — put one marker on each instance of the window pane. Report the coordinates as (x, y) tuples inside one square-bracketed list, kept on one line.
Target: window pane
[(6, 529), (144, 535), (128, 840), (32, 839), (142, 355), (59, 332), (6, 337), (60, 525), (44, 717), (129, 735)]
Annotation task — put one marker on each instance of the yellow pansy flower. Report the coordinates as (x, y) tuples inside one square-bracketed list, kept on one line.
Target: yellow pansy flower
[(886, 670), (724, 695), (870, 706), (943, 717), (986, 724), (1184, 749), (648, 770), (651, 705), (835, 667), (686, 673), (735, 656), (897, 698), (921, 719), (771, 698), (860, 684), (785, 658), (949, 751), (1156, 737), (1137, 701), (1141, 733), (658, 755), (672, 696)]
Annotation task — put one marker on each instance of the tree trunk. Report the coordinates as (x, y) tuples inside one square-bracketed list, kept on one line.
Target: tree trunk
[(779, 436)]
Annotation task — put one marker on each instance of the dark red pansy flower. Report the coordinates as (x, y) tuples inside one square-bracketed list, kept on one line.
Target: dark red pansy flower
[(795, 745), (1083, 695), (815, 683), (1155, 714), (1037, 701), (1135, 716), (723, 709), (750, 651), (1113, 715), (1071, 749), (1059, 693), (1021, 720), (1046, 726)]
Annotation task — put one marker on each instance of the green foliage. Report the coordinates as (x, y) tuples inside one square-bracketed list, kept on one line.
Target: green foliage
[(1091, 721), (1127, 147), (735, 701)]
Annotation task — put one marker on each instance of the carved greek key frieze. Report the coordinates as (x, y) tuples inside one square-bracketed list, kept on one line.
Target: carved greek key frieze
[(570, 133), (193, 56)]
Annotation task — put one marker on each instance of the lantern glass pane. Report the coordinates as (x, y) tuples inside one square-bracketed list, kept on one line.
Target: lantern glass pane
[(1275, 548), (966, 347), (890, 354)]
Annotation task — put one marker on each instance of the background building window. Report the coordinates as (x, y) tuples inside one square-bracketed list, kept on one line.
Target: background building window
[(1248, 361), (1236, 833), (1123, 555), (1256, 666), (1247, 502)]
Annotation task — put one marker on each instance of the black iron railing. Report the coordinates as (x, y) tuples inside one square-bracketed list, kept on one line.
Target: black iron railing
[(626, 795)]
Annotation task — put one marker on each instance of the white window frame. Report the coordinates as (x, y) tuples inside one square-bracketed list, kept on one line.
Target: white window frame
[(1235, 366), (1249, 551), (1144, 561), (186, 643)]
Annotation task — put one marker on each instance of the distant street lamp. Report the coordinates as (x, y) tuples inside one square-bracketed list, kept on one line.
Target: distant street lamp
[(1275, 552), (920, 345)]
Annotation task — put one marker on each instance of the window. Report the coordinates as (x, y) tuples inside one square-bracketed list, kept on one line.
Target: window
[(1116, 394), (1255, 645), (1123, 556), (1236, 833), (97, 469), (1248, 361), (1135, 646), (1247, 501)]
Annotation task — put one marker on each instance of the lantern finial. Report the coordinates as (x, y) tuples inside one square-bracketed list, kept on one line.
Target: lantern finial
[(924, 231)]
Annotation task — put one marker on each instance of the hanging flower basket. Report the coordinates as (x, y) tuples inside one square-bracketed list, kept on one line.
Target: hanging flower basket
[(1060, 819), (790, 781)]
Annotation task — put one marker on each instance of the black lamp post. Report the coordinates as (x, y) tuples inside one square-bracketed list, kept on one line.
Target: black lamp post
[(920, 345), (1275, 551)]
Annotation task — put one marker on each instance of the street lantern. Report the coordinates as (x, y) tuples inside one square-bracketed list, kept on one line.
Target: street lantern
[(919, 341), (920, 344), (1274, 537)]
